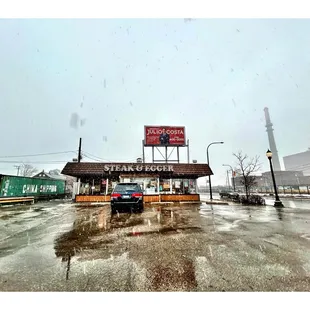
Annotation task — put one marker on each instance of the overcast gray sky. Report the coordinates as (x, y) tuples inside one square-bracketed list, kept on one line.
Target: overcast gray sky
[(213, 76)]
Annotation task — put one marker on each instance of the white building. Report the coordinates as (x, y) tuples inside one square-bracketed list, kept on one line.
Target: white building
[(298, 162)]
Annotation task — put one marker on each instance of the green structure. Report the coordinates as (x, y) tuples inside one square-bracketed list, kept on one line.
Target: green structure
[(15, 186)]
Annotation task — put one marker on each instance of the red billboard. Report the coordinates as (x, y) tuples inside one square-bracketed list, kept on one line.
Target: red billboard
[(164, 135)]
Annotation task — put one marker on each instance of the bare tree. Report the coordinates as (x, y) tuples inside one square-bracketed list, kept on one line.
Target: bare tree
[(246, 167), (27, 170)]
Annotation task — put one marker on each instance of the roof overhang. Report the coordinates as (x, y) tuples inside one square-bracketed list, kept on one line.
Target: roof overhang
[(104, 170)]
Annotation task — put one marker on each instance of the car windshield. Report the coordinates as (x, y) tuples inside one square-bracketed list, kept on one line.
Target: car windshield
[(127, 188)]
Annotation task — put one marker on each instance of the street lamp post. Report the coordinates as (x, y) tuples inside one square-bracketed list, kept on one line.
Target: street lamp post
[(227, 179), (277, 202), (210, 187), (232, 175)]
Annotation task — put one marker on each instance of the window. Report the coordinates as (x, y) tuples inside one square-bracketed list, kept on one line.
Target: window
[(164, 186), (126, 188)]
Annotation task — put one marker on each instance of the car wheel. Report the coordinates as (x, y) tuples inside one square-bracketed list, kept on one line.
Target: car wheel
[(140, 208), (113, 210)]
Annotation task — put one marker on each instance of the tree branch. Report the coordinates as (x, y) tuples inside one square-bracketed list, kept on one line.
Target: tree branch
[(246, 168)]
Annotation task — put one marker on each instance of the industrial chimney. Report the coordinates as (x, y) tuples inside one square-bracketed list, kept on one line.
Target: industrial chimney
[(272, 142)]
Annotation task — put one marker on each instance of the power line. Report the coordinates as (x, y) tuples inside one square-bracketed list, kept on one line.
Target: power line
[(96, 158), (33, 155), (85, 156), (32, 162), (131, 160)]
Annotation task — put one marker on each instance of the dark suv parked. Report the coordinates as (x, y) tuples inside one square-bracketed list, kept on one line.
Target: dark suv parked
[(229, 195), (127, 196)]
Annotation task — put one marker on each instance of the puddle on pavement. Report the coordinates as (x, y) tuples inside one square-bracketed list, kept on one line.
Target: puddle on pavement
[(96, 228), (166, 231), (75, 241), (125, 221), (230, 218)]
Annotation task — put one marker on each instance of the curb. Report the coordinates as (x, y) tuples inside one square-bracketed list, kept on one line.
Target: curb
[(160, 203), (216, 203), (91, 204)]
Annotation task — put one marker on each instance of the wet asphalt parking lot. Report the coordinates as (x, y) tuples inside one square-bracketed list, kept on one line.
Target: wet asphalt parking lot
[(58, 246)]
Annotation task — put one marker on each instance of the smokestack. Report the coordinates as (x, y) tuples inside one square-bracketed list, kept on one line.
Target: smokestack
[(272, 142)]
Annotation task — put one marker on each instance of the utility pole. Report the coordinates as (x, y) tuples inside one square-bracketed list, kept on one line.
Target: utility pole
[(208, 161), (80, 150), (17, 167)]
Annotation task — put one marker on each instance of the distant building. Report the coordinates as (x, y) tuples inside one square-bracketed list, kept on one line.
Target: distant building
[(56, 175), (51, 175), (298, 162), (283, 178)]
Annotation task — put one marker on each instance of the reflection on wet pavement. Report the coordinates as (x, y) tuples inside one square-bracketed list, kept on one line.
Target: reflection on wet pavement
[(96, 228), (68, 266), (165, 248)]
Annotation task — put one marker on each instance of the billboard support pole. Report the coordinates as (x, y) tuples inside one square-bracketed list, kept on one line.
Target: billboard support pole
[(143, 156), (166, 156), (188, 151), (171, 152), (163, 156)]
